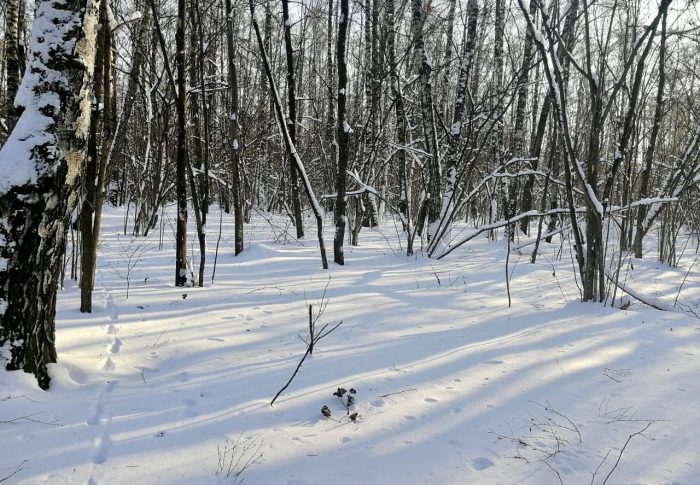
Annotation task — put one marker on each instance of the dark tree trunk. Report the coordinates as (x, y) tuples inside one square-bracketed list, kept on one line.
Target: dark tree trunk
[(401, 126), (100, 106), (330, 78), (292, 121), (343, 138), (181, 154), (277, 104), (234, 129), (651, 148), (433, 198)]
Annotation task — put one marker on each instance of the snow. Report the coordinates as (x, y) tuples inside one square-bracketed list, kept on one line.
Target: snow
[(17, 166), (453, 386)]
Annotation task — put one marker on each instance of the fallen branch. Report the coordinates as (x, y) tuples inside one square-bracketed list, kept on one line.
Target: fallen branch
[(650, 301), (28, 417), (629, 438), (400, 393), (504, 222), (19, 468)]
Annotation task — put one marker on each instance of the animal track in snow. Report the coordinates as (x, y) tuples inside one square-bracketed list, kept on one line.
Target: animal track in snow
[(102, 446), (111, 308), (97, 411), (190, 410), (100, 416), (481, 463), (107, 364), (114, 346)]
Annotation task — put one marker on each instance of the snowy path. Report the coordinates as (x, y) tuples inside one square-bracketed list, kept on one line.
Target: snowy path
[(452, 386)]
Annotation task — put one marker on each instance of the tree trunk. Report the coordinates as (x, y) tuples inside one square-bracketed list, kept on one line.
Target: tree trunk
[(401, 126), (432, 199), (277, 104), (292, 121), (649, 154), (234, 129), (12, 60), (330, 78), (518, 145), (39, 175), (462, 103), (343, 138), (181, 154), (199, 184), (101, 100)]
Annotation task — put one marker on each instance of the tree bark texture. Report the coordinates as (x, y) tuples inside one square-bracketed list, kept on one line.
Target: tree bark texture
[(343, 135), (40, 165)]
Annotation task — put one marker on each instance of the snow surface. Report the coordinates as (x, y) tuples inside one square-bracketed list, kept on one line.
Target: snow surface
[(453, 387)]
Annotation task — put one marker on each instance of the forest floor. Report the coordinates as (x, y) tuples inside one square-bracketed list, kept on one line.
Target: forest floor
[(173, 385)]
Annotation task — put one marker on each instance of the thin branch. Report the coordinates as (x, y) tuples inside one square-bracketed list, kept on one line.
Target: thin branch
[(629, 438)]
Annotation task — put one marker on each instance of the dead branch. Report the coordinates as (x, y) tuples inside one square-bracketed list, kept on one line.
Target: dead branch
[(652, 302), (314, 338), (19, 468), (629, 438)]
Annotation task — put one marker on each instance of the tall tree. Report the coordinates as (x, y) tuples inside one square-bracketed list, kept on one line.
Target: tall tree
[(40, 165), (101, 104), (343, 134), (432, 200), (645, 176), (181, 154), (282, 125), (234, 129), (404, 166), (292, 121)]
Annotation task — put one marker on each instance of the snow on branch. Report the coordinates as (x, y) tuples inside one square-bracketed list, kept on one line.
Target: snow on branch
[(535, 213), (506, 222), (367, 189), (647, 300)]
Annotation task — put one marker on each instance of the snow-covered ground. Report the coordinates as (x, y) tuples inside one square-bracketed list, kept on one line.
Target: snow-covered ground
[(452, 386)]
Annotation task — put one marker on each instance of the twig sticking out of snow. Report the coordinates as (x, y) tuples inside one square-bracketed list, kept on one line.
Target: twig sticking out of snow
[(314, 338), (19, 468), (622, 451), (235, 459)]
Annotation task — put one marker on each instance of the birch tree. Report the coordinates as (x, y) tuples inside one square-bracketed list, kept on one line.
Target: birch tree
[(40, 165)]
